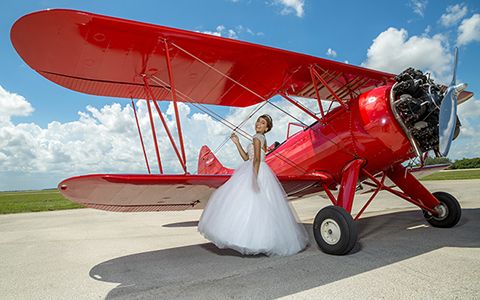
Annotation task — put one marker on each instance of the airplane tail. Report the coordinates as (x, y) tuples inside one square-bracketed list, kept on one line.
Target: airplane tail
[(208, 164)]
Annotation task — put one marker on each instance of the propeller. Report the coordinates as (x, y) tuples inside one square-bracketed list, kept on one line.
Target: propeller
[(448, 111)]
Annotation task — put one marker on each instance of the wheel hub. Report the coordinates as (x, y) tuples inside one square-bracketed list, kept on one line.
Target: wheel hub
[(330, 231), (442, 211)]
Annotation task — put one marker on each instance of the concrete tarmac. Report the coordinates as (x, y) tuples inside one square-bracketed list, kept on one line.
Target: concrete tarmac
[(91, 254)]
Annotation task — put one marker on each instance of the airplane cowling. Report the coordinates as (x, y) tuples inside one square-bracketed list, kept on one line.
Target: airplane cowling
[(381, 139)]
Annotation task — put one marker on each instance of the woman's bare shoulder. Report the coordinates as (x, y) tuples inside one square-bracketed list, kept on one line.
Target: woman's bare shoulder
[(260, 137)]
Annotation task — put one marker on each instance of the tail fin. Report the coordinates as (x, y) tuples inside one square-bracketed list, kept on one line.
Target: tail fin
[(208, 164)]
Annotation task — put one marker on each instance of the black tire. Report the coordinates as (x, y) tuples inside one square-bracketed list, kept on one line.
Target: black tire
[(452, 210), (344, 235)]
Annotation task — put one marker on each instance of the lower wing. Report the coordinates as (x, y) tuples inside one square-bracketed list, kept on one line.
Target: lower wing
[(138, 193)]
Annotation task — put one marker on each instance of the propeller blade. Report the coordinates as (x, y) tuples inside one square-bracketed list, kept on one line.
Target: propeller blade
[(454, 77), (447, 120), (448, 111)]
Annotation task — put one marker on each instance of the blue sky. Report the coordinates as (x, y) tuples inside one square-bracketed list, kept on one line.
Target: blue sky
[(386, 35)]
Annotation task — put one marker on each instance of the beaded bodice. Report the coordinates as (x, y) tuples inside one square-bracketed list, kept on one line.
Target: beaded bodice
[(261, 138)]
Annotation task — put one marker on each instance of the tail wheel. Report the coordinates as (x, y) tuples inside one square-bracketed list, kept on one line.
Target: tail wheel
[(449, 211), (334, 230)]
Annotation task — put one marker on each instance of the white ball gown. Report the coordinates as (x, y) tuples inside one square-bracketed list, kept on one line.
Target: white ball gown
[(251, 218)]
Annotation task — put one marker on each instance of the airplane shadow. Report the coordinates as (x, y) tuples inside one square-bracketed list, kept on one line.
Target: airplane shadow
[(187, 272), (182, 224)]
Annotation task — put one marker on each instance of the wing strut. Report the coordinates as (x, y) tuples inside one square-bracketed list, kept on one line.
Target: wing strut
[(256, 94), (320, 78), (154, 135), (149, 91), (305, 110), (174, 97), (141, 138), (225, 122), (314, 81)]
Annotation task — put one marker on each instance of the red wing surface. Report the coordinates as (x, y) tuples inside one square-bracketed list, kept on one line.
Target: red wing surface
[(107, 56), (134, 193)]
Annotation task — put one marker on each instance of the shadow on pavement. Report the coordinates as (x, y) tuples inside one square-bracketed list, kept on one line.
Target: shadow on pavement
[(188, 272), (182, 224)]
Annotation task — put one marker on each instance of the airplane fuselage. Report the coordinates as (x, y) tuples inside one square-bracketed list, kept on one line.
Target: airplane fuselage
[(367, 130)]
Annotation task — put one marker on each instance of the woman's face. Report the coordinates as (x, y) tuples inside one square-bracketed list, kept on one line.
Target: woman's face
[(261, 125)]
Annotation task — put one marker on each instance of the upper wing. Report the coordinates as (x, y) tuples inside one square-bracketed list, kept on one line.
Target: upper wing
[(107, 56), (128, 193)]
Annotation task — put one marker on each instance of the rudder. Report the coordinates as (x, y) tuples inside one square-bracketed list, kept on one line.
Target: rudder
[(208, 164)]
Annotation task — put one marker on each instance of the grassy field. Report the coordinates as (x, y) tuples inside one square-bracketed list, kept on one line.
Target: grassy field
[(45, 200), (31, 201), (454, 175)]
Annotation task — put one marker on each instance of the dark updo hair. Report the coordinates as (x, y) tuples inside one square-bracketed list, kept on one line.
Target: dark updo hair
[(269, 122)]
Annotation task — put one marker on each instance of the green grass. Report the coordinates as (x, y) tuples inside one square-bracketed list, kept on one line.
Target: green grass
[(454, 175), (32, 201), (46, 200)]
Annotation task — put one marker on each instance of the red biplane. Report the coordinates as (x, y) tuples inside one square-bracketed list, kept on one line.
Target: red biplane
[(379, 120)]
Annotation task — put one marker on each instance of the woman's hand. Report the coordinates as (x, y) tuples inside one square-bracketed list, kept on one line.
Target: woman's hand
[(236, 141), (234, 138)]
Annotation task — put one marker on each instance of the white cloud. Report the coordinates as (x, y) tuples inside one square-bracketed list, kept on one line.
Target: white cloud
[(215, 33), (223, 31), (219, 31), (240, 29), (468, 142), (291, 6), (105, 140), (418, 6), (453, 14), (470, 109), (12, 104), (331, 52), (287, 6), (393, 51), (469, 30), (427, 30)]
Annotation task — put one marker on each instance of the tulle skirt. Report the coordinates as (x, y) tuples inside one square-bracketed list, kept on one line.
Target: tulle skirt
[(251, 215)]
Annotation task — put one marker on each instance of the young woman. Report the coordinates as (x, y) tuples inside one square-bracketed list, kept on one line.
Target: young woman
[(250, 212)]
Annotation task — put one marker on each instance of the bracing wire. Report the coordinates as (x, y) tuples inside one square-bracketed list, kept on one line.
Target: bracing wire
[(227, 123)]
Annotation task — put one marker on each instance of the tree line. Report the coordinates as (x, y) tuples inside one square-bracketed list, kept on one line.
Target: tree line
[(464, 163)]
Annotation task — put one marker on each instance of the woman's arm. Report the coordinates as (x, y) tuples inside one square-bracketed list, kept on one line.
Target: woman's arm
[(236, 141), (256, 154)]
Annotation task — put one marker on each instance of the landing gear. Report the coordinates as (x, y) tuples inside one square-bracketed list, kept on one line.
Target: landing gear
[(449, 211), (334, 230)]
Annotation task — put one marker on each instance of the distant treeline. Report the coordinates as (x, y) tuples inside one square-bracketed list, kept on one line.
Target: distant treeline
[(464, 163)]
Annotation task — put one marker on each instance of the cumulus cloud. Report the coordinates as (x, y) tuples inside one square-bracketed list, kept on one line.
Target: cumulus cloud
[(470, 109), (468, 142), (469, 30), (418, 6), (12, 104), (453, 14), (240, 29), (393, 51), (291, 6), (223, 31), (287, 6), (331, 52), (105, 140)]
